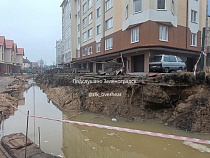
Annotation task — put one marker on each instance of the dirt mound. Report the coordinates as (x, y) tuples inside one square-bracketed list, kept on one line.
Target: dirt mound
[(194, 113), (179, 99)]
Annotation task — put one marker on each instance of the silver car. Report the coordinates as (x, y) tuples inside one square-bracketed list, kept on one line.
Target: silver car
[(166, 63)]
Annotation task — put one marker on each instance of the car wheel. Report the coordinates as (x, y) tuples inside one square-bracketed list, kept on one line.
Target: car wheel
[(180, 68), (166, 70)]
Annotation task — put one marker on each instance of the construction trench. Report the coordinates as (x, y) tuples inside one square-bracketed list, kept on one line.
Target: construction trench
[(127, 119), (177, 99)]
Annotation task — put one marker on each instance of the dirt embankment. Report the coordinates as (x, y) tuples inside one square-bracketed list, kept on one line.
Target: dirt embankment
[(181, 99), (9, 94)]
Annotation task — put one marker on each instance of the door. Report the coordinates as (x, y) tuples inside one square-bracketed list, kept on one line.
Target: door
[(138, 63)]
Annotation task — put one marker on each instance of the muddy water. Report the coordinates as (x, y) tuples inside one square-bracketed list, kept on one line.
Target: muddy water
[(74, 141)]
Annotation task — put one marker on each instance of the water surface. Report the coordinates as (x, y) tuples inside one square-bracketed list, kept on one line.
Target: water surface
[(74, 141)]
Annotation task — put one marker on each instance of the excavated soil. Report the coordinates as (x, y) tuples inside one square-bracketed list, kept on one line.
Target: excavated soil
[(9, 94), (179, 99)]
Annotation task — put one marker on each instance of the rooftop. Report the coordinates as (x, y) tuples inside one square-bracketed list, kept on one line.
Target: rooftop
[(9, 44), (2, 39), (20, 51), (26, 60)]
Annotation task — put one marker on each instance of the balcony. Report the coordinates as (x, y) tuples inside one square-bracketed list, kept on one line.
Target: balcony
[(163, 16)]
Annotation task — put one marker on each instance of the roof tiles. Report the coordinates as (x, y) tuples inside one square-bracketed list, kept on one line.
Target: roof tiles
[(2, 39), (20, 51), (9, 44)]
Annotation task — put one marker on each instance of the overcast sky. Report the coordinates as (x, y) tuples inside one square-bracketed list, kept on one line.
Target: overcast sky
[(34, 25)]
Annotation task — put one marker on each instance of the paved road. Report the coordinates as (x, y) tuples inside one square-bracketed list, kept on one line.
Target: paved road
[(4, 81)]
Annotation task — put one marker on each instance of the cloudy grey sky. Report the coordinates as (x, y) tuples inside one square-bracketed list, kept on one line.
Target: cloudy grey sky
[(34, 25)]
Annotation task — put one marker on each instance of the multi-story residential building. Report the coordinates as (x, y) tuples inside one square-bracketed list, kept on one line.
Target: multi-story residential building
[(67, 32), (58, 52), (135, 30)]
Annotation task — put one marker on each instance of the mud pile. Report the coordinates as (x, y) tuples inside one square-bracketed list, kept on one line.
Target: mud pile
[(9, 97), (6, 100), (179, 99)]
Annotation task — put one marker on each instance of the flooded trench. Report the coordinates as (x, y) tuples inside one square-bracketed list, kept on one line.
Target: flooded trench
[(74, 141)]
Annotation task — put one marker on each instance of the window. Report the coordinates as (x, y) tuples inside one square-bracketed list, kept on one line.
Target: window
[(166, 59), (78, 27), (108, 23), (108, 43), (98, 12), (135, 35), (90, 3), (85, 8), (193, 16), (98, 47), (78, 53), (179, 59), (90, 17), (108, 4), (84, 51), (78, 2), (90, 33), (78, 40), (98, 29), (137, 6), (163, 33), (78, 14), (85, 22), (126, 12), (90, 48), (193, 39), (161, 4), (85, 36), (172, 59)]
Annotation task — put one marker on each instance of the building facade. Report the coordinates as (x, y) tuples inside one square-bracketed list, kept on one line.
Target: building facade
[(11, 58), (66, 32), (58, 52), (26, 65), (104, 30)]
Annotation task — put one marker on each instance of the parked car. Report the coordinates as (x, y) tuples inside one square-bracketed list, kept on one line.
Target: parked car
[(166, 63)]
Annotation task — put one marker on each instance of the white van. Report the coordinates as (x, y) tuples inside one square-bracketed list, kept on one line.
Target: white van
[(166, 63)]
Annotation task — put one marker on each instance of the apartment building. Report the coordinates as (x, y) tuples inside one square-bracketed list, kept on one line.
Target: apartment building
[(67, 37), (105, 30), (58, 52)]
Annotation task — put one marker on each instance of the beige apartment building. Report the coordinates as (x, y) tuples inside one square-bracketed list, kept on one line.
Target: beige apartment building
[(103, 30)]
